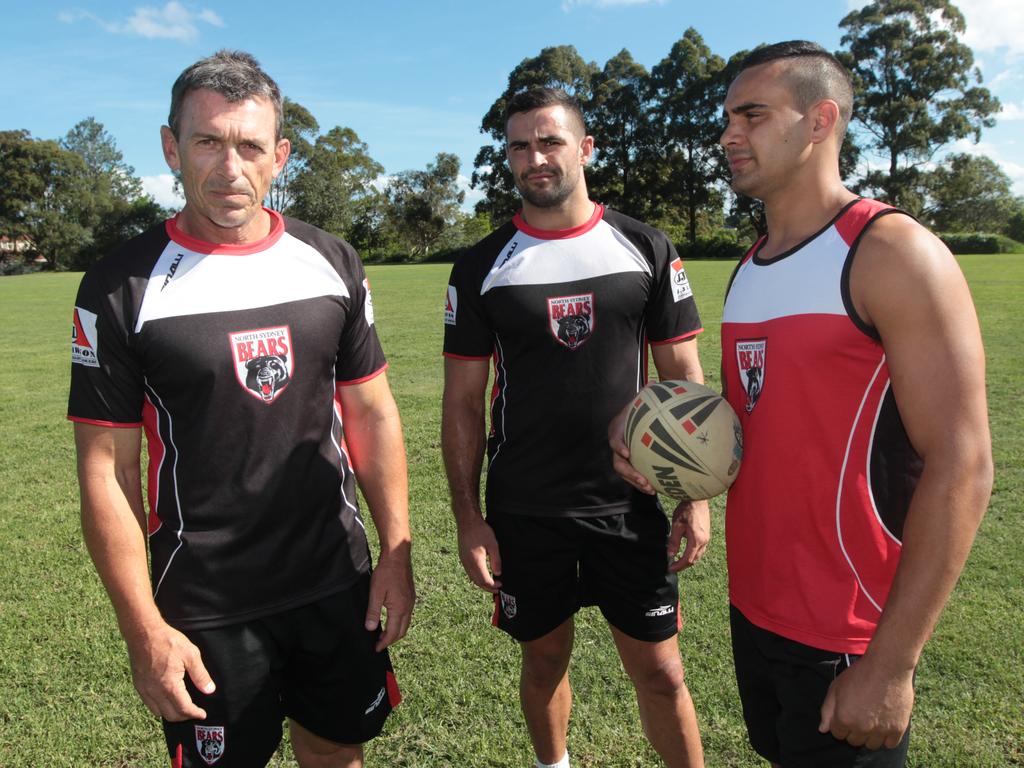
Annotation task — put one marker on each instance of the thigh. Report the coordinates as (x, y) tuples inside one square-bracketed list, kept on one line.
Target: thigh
[(782, 685), (624, 570), (539, 574), (335, 685), (243, 715)]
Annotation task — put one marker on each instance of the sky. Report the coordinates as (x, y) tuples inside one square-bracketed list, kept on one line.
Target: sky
[(411, 78)]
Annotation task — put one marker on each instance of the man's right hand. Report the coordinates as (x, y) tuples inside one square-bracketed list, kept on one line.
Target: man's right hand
[(160, 657), (478, 549)]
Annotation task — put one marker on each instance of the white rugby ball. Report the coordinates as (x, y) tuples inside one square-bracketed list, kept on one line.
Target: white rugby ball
[(685, 439)]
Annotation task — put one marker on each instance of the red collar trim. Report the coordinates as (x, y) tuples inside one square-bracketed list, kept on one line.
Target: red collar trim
[(559, 234), (242, 249)]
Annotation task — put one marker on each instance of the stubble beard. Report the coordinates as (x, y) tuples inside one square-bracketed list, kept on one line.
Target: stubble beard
[(552, 197)]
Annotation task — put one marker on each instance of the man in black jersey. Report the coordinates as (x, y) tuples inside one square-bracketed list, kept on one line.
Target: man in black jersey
[(243, 343), (565, 300)]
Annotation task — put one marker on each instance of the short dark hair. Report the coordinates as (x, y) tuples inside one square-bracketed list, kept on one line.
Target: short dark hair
[(813, 74), (538, 97), (235, 75)]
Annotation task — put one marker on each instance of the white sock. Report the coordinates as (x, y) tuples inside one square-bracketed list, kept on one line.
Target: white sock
[(563, 763)]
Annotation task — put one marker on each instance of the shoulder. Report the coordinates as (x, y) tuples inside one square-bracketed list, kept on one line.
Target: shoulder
[(634, 229), (313, 236), (134, 258), (483, 253), (900, 262)]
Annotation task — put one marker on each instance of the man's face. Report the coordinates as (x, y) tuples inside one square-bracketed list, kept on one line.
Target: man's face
[(767, 137), (227, 154), (546, 154)]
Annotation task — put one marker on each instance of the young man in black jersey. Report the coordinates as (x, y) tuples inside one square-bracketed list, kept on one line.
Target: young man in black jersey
[(565, 300), (243, 343)]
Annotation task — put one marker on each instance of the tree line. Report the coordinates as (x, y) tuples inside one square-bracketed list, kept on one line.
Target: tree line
[(917, 91)]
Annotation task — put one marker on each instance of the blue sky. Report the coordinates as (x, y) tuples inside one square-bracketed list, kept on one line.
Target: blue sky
[(412, 79)]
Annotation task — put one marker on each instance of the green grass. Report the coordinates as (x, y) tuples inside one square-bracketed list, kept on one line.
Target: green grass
[(66, 697)]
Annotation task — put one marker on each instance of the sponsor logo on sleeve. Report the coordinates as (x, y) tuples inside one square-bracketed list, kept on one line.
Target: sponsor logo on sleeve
[(369, 302), (210, 742), (751, 355), (264, 361), (451, 306), (84, 340), (680, 282), (571, 319)]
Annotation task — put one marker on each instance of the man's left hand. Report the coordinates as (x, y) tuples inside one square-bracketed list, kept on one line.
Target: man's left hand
[(692, 521), (868, 706), (391, 589)]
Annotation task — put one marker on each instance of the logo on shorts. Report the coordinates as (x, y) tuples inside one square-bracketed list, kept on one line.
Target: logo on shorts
[(680, 282), (571, 319), (375, 703), (508, 605), (84, 341), (210, 742), (750, 357), (661, 610), (263, 361)]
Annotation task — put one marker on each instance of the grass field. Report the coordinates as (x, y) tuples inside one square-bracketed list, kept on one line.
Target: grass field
[(66, 697)]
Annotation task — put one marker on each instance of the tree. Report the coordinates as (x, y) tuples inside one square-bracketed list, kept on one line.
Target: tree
[(118, 209), (45, 196), (423, 205), (300, 128), (690, 84), (626, 157), (558, 67), (335, 188), (915, 89), (969, 193)]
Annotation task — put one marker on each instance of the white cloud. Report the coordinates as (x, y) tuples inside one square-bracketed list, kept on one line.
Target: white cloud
[(161, 189), (568, 5), (171, 22), (473, 196), (1010, 112), (994, 24)]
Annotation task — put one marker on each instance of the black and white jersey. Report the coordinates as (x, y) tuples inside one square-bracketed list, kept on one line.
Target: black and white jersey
[(567, 317), (229, 357)]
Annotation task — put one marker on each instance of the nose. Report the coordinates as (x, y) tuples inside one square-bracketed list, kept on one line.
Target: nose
[(230, 163), (729, 135)]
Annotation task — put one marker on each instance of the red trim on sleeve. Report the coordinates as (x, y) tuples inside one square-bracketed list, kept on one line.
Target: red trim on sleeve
[(363, 379), (98, 423), (394, 695), (453, 356), (559, 234), (494, 616), (177, 761), (676, 339), (242, 249)]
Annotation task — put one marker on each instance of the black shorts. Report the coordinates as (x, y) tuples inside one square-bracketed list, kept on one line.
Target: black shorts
[(315, 664), (782, 686), (552, 566)]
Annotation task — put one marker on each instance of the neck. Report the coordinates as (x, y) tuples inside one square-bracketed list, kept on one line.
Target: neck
[(203, 228), (574, 212), (798, 211)]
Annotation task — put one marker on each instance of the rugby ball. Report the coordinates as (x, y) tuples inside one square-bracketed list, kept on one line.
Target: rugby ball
[(685, 439)]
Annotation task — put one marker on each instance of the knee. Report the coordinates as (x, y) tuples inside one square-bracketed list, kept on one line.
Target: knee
[(544, 668), (665, 679)]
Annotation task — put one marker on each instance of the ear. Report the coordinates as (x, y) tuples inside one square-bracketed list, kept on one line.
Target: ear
[(586, 149), (282, 150), (826, 118), (170, 147)]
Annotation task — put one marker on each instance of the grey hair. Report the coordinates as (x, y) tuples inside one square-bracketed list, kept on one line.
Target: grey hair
[(235, 75)]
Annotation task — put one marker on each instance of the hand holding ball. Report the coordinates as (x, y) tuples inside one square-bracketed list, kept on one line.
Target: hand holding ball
[(685, 439)]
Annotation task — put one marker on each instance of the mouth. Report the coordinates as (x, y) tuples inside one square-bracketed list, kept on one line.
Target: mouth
[(737, 162)]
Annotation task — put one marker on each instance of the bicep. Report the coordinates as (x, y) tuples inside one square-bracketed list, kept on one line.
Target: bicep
[(678, 360)]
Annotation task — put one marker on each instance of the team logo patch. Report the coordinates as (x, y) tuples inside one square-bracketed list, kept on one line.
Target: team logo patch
[(571, 319), (263, 361), (210, 742), (508, 605), (84, 341), (369, 302), (451, 305), (680, 282), (751, 356)]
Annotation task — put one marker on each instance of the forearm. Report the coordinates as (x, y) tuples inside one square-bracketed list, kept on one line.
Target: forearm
[(462, 446), (678, 361), (947, 507)]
